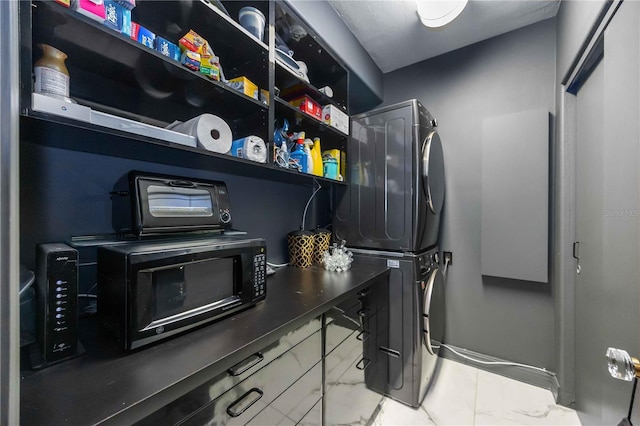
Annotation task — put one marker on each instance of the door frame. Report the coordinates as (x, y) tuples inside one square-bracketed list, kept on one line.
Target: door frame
[(564, 229), (9, 214)]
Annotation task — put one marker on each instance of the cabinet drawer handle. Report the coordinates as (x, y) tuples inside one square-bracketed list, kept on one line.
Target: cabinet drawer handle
[(363, 364), (363, 336), (245, 407), (238, 369)]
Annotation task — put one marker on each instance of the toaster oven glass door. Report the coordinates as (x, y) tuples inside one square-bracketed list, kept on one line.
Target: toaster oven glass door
[(170, 201)]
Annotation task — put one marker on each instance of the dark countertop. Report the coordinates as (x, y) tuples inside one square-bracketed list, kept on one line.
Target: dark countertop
[(109, 385)]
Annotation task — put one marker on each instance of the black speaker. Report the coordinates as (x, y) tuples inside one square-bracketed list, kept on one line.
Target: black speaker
[(57, 296)]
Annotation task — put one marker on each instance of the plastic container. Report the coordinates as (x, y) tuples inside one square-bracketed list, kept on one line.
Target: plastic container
[(253, 21), (330, 167), (316, 154), (52, 75), (299, 156)]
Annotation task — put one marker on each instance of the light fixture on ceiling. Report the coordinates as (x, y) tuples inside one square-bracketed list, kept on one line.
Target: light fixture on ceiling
[(438, 13)]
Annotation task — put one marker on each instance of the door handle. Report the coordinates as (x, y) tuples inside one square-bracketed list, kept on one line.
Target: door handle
[(576, 255)]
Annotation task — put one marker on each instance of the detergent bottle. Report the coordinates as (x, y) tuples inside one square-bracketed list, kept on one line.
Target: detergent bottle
[(298, 154), (316, 154)]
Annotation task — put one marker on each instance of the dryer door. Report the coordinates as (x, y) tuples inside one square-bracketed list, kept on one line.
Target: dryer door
[(433, 172), (433, 312)]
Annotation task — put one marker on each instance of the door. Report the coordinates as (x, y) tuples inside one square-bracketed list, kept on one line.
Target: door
[(431, 198), (607, 188)]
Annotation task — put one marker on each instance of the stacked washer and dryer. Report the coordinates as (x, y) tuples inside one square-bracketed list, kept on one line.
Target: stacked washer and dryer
[(390, 215)]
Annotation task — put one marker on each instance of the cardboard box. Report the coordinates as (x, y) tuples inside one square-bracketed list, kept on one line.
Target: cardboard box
[(244, 85), (89, 8), (335, 117), (193, 42), (308, 106), (264, 96), (166, 48), (117, 17), (142, 35), (191, 60)]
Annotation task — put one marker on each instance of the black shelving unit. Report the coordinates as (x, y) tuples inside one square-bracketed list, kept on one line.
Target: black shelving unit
[(114, 74)]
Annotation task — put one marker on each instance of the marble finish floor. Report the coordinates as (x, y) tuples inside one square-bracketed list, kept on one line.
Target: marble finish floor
[(464, 395)]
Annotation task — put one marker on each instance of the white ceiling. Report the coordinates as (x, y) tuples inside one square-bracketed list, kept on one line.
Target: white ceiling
[(391, 32)]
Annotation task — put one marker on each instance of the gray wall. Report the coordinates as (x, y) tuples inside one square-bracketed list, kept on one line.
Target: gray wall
[(365, 85), (514, 72), (65, 193)]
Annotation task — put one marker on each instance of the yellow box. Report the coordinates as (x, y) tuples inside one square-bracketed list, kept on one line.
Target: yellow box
[(264, 96), (244, 85)]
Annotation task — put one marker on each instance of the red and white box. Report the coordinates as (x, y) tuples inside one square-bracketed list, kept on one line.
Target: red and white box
[(335, 117), (308, 106)]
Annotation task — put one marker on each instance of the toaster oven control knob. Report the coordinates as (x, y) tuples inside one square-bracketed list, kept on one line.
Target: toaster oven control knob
[(225, 216)]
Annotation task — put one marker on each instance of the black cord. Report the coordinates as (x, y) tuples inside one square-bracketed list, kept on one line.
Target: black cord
[(633, 395)]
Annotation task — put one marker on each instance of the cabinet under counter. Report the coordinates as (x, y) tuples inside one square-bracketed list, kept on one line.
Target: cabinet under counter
[(108, 386)]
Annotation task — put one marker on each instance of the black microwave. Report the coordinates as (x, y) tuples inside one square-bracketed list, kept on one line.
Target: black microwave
[(148, 291)]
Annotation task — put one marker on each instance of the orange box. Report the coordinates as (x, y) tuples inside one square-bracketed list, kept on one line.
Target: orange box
[(308, 105)]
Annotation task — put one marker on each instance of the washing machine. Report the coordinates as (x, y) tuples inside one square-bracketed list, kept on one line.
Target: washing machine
[(406, 355)]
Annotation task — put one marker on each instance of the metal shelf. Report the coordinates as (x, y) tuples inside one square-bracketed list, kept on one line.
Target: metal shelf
[(59, 132)]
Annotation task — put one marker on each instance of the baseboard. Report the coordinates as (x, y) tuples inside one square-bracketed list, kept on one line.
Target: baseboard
[(526, 375)]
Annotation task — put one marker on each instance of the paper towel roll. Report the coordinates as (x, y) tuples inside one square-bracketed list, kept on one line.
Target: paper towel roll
[(252, 148), (211, 132)]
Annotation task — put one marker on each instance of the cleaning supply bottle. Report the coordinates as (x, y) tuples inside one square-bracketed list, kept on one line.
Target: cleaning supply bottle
[(298, 154), (308, 143), (316, 154)]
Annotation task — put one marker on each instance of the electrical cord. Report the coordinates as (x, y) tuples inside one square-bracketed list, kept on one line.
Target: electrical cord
[(304, 215), (507, 363)]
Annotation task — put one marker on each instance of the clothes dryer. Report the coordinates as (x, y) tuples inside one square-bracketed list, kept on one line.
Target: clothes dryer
[(404, 361)]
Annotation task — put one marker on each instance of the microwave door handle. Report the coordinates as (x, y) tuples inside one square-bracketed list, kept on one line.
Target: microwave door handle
[(182, 183)]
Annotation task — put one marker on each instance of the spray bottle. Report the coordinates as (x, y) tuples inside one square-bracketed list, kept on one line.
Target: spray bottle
[(308, 143)]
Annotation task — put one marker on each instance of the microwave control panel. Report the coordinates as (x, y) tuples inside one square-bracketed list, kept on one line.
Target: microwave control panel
[(259, 276)]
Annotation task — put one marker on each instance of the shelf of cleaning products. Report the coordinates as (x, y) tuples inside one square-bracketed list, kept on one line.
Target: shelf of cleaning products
[(110, 69), (59, 132), (300, 121)]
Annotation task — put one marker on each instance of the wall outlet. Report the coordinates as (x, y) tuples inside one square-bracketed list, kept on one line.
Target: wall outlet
[(447, 257)]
